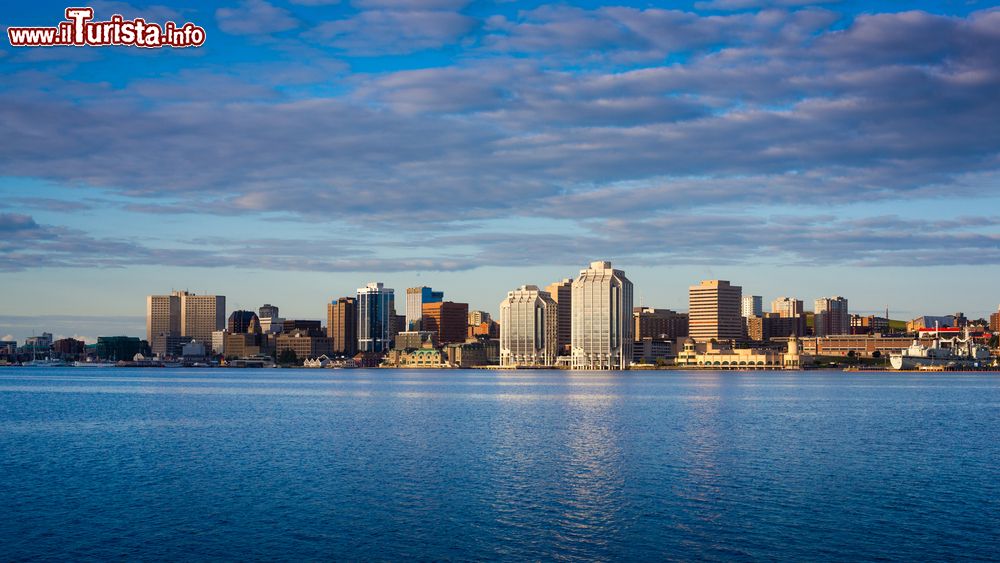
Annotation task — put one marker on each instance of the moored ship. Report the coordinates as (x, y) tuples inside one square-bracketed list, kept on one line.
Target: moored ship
[(960, 352)]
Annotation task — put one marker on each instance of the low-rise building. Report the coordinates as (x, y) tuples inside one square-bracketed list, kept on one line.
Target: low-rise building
[(772, 325), (468, 354), (721, 355), (875, 345), (304, 342), (68, 348), (650, 351), (870, 324), (415, 339), (421, 358), (120, 348)]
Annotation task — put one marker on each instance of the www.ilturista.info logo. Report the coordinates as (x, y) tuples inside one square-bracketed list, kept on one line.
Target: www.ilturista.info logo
[(78, 30)]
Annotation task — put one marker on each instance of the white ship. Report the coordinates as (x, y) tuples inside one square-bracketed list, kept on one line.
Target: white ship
[(958, 352)]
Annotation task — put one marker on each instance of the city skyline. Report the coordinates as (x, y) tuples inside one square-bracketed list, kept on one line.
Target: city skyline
[(138, 325), (796, 148)]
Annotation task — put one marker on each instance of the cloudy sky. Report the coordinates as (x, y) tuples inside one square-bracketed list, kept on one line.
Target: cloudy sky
[(311, 146)]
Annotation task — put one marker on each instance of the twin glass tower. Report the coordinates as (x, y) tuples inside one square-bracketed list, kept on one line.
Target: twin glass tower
[(600, 318)]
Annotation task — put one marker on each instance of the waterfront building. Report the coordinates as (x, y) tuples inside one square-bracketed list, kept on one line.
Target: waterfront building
[(721, 355), (831, 316), (528, 328), (562, 293), (267, 311), (415, 299), (995, 321), (659, 324), (787, 307), (244, 345), (714, 311), (875, 345), (39, 344), (193, 350), (120, 348), (426, 358), (304, 343), (448, 319), (601, 318), (650, 351), (239, 321), (68, 348), (376, 312), (752, 306), (342, 325), (467, 354)]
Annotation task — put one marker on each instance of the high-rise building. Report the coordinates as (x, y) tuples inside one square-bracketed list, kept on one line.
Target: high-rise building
[(182, 316), (239, 321), (831, 316), (601, 319), (376, 312), (449, 320), (415, 299), (787, 307), (715, 311), (995, 321), (477, 318), (752, 306), (342, 325), (528, 328), (562, 293), (163, 321), (659, 324), (268, 311)]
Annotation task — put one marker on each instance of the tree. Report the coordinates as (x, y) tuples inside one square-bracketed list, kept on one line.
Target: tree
[(288, 356)]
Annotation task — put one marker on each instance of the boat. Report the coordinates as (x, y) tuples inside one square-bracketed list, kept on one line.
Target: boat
[(93, 364), (44, 363), (959, 352)]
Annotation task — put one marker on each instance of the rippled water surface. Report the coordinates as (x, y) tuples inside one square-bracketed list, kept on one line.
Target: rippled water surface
[(380, 464)]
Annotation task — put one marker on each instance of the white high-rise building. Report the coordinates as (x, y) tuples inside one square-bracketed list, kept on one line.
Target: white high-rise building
[(752, 306), (376, 313), (602, 318), (831, 316), (528, 328)]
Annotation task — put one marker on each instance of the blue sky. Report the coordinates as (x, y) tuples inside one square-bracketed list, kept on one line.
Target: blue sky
[(794, 147)]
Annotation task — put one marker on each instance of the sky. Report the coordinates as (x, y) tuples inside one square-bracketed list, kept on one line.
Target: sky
[(309, 147)]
